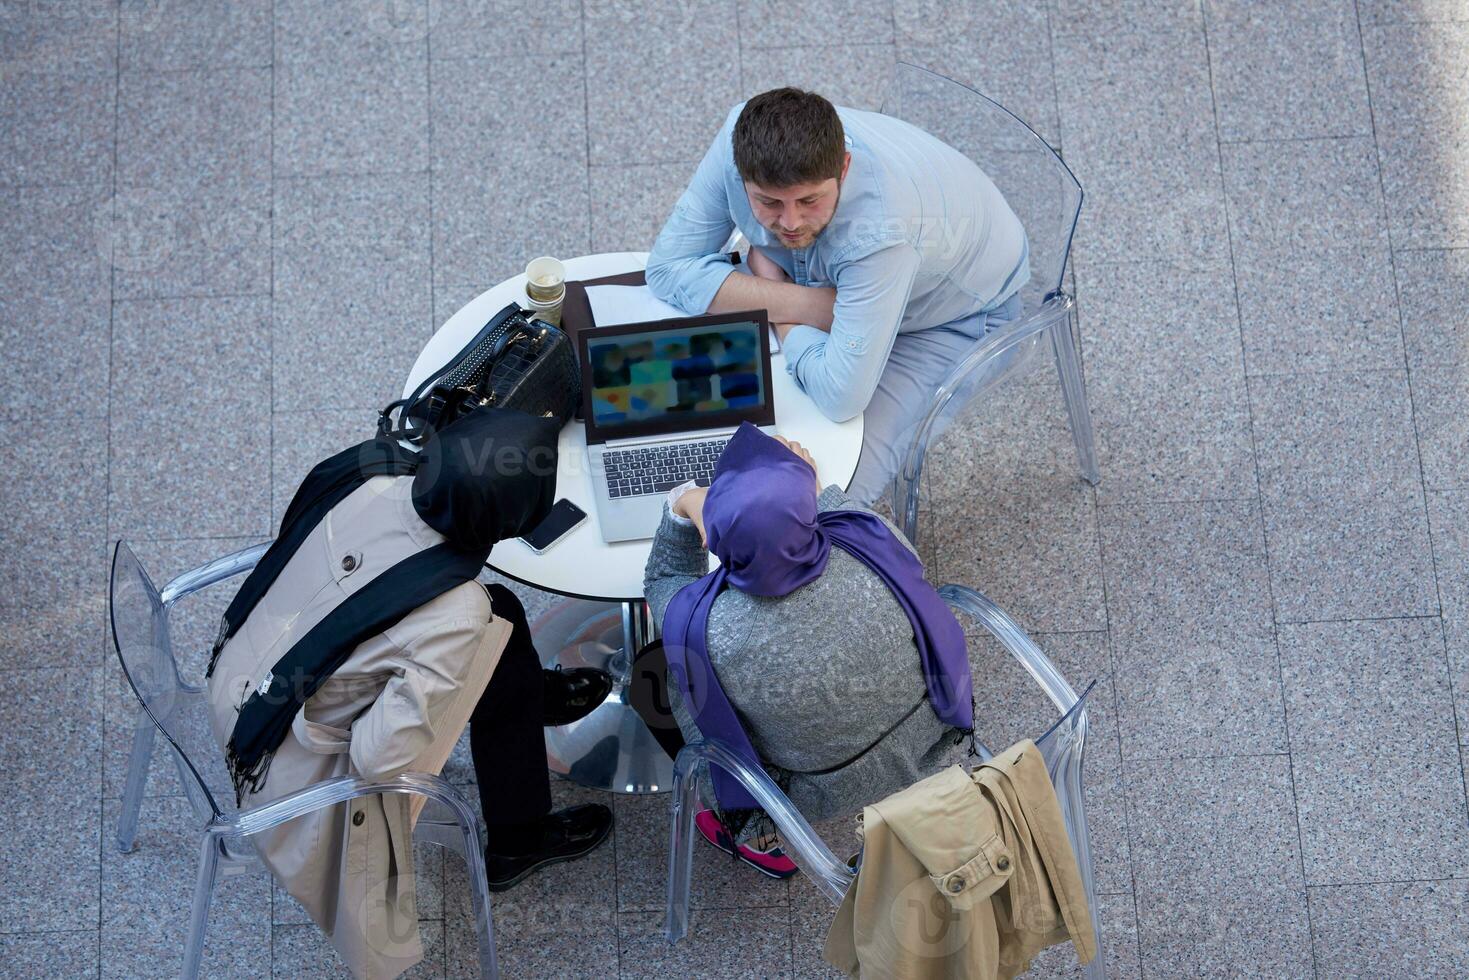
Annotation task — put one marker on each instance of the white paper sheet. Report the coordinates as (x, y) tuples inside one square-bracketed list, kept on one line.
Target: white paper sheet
[(612, 305)]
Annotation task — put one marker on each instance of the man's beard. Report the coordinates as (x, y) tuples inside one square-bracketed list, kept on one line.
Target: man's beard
[(809, 238)]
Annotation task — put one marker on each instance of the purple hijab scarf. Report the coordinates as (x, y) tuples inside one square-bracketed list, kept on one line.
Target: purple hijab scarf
[(761, 520)]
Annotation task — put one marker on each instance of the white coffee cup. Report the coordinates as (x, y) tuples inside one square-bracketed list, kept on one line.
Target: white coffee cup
[(545, 280)]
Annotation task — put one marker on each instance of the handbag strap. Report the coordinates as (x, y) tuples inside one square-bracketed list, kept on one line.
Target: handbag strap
[(404, 427)]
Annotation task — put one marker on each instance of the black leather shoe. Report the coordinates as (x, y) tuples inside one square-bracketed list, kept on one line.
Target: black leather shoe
[(565, 836), (571, 695)]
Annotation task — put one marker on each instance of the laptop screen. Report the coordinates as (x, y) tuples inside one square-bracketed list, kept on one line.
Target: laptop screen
[(649, 379)]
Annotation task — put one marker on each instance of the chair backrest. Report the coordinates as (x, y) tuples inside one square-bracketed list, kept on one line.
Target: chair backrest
[(1062, 746), (827, 872), (830, 874), (141, 638), (1038, 185)]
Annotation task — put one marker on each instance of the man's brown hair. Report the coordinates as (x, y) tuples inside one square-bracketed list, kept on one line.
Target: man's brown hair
[(786, 136)]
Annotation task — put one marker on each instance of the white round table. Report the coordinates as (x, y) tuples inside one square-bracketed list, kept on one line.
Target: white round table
[(611, 748)]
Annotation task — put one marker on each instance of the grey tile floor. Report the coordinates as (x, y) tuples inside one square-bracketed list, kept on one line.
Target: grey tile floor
[(228, 226)]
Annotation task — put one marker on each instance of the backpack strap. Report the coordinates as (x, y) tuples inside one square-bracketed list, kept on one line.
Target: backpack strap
[(328, 483)]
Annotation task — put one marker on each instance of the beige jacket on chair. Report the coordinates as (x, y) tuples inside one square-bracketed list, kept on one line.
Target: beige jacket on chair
[(399, 702), (964, 877)]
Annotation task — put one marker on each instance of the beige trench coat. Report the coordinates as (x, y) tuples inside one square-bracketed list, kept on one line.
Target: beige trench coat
[(398, 703), (964, 877)]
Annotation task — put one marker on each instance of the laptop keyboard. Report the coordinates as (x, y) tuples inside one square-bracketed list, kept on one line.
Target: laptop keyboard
[(658, 469)]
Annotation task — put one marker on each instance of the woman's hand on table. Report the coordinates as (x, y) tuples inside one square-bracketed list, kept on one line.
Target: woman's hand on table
[(800, 451), (691, 503), (690, 506)]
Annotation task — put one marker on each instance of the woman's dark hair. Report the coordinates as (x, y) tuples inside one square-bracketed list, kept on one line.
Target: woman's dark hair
[(786, 136)]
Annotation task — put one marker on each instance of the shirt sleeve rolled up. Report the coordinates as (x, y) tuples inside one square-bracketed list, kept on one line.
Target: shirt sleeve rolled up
[(840, 369), (687, 265)]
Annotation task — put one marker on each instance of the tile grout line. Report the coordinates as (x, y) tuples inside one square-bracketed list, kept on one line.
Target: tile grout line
[(270, 405), (1443, 634), (1390, 881), (173, 297), (1122, 780), (1412, 406), (1259, 494), (1265, 140), (835, 44), (1356, 619), (1127, 503), (586, 115), (1397, 295), (107, 486), (433, 293), (1056, 106), (270, 336), (433, 318), (43, 932), (1109, 636), (145, 69), (740, 49), (1097, 504), (1320, 372), (586, 107), (348, 174)]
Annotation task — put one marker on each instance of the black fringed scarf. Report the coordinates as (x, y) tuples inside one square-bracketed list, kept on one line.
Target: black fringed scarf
[(489, 476)]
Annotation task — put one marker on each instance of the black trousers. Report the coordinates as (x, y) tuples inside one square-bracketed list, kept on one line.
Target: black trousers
[(647, 692), (506, 739)]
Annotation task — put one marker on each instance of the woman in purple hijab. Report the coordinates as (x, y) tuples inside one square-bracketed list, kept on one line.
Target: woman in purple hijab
[(815, 647)]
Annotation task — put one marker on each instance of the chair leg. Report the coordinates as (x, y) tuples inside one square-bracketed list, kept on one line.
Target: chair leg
[(905, 506), (139, 761), (199, 916), (1073, 391), (681, 850), (1074, 812), (479, 893), (443, 834)]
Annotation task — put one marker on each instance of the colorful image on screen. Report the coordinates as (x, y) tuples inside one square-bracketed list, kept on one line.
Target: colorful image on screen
[(666, 374)]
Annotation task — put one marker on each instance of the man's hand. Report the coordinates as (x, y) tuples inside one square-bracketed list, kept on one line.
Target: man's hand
[(765, 267), (800, 451), (785, 301)]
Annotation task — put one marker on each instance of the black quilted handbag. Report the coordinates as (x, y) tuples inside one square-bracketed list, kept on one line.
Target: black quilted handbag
[(513, 362)]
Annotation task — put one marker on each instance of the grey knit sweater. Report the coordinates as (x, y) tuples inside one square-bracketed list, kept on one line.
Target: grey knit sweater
[(816, 676)]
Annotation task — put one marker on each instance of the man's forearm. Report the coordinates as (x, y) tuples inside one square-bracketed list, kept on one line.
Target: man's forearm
[(784, 302)]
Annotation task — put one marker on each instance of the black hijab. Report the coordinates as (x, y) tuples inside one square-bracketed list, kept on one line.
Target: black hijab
[(489, 476)]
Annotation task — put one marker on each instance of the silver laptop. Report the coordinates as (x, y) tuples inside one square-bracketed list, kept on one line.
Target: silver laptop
[(660, 401)]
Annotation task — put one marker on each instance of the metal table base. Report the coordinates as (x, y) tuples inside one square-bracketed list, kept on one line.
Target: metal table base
[(610, 749)]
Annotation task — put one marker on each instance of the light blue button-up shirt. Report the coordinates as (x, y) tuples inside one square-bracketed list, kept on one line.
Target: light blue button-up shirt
[(920, 238)]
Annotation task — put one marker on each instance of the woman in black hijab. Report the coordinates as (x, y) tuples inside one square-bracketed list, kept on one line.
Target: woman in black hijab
[(453, 496), (362, 644), (506, 739)]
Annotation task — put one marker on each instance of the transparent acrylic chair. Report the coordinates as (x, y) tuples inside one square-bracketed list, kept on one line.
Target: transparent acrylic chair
[(1047, 198), (177, 711), (1062, 746)]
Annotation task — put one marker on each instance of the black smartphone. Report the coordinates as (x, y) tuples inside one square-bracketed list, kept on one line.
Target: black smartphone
[(564, 516)]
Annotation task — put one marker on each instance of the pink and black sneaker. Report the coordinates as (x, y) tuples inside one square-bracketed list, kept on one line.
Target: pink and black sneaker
[(772, 862)]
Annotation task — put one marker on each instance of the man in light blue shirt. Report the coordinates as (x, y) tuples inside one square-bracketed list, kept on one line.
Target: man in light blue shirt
[(881, 253)]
